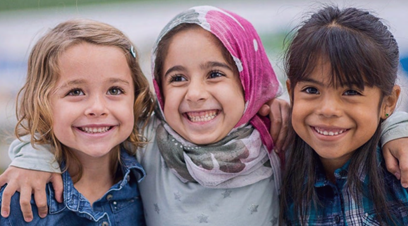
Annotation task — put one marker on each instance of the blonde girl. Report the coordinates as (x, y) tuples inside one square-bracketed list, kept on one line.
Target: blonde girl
[(83, 94)]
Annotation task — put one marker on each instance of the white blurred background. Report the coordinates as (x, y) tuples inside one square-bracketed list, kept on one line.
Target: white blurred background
[(142, 22)]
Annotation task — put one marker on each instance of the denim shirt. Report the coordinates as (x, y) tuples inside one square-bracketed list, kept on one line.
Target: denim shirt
[(340, 208), (121, 205)]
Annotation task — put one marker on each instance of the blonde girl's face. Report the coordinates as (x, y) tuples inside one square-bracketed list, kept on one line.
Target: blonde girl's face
[(334, 121), (92, 103), (203, 97)]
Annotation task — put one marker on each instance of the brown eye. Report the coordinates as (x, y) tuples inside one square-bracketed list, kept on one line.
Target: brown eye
[(215, 74), (177, 78), (351, 93), (75, 92), (310, 90)]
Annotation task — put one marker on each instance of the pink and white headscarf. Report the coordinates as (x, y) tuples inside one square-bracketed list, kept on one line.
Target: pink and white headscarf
[(240, 38)]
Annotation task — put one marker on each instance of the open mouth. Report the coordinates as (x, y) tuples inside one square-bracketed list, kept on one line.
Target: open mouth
[(95, 129), (202, 116), (333, 132)]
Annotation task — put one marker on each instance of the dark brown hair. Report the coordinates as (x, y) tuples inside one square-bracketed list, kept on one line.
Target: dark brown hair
[(361, 51)]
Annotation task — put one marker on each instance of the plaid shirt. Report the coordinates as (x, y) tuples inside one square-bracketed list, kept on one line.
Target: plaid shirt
[(340, 208)]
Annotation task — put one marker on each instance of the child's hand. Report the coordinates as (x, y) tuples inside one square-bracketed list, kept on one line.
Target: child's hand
[(396, 159), (28, 182), (279, 114)]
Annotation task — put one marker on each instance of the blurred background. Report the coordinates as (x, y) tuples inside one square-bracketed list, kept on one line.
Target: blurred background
[(22, 22)]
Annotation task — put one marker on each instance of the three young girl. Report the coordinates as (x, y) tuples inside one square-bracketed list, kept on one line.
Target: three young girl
[(208, 158), (342, 86), (83, 94)]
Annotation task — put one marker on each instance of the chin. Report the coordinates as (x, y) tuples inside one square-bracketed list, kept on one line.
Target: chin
[(204, 141)]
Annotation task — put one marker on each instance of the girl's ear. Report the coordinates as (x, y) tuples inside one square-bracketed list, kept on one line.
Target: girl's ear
[(289, 89), (390, 102)]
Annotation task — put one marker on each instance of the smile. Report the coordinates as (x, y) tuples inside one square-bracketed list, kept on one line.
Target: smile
[(329, 133), (95, 129), (202, 116)]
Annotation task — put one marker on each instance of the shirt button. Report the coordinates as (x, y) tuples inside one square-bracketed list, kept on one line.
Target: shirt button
[(105, 223), (337, 219), (109, 197), (115, 203)]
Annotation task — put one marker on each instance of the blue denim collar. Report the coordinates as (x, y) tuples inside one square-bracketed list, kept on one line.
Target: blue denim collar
[(75, 202)]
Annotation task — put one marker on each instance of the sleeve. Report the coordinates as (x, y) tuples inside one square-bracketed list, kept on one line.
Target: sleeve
[(395, 127), (40, 157)]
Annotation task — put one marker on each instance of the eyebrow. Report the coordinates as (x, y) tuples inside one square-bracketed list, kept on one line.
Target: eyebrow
[(206, 65), (76, 82), (118, 80), (312, 81), (215, 64), (72, 83), (174, 68)]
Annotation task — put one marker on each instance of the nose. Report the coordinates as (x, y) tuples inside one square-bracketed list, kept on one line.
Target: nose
[(330, 106), (97, 106), (196, 91)]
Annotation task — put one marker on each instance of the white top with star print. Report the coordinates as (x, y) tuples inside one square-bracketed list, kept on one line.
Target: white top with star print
[(168, 201)]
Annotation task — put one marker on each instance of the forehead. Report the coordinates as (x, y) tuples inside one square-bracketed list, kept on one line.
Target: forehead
[(93, 62), (198, 42), (196, 36)]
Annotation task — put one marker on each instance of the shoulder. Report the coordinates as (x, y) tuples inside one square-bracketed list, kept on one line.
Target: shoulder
[(16, 217)]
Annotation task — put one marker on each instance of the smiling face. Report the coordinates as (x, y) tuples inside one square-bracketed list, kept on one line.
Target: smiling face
[(92, 103), (203, 97), (334, 121)]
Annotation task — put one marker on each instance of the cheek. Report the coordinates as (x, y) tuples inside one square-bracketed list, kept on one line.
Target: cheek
[(298, 117), (170, 112), (171, 101), (128, 114), (61, 123)]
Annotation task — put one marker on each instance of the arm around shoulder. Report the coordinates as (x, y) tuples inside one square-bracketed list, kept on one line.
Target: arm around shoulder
[(395, 127), (40, 157)]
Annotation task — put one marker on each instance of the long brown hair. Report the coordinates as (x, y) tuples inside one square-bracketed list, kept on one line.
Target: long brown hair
[(363, 52)]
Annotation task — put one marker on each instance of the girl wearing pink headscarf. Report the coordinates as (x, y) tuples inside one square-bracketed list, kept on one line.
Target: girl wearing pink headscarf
[(210, 159)]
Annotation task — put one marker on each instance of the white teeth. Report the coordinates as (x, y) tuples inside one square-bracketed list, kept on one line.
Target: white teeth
[(207, 117), (95, 130), (329, 133)]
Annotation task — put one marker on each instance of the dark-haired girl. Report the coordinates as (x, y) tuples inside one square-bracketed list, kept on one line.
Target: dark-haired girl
[(341, 65)]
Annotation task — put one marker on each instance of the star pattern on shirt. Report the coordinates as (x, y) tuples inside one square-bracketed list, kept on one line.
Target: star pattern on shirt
[(177, 196), (202, 219), (274, 221), (226, 193), (156, 208), (253, 208)]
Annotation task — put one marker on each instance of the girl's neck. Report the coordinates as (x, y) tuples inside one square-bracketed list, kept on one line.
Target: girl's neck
[(97, 176), (330, 165)]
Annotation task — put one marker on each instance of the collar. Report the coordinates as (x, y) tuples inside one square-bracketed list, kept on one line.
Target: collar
[(75, 202)]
